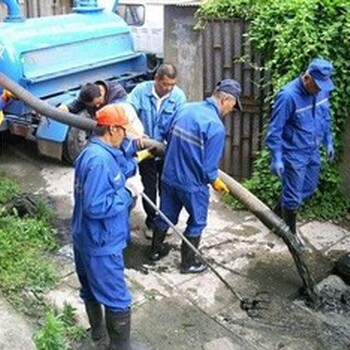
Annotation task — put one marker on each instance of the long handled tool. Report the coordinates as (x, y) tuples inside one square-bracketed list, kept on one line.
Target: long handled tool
[(246, 303)]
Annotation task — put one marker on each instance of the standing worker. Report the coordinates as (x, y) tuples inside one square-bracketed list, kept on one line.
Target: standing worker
[(100, 227), (299, 125), (196, 144), (94, 96), (156, 102)]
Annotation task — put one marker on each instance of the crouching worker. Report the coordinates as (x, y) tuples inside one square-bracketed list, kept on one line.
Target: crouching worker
[(100, 227), (195, 146)]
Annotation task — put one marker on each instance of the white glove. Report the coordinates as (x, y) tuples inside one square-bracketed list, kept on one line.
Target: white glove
[(134, 185)]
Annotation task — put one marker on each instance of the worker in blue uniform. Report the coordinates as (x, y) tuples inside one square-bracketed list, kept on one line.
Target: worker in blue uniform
[(100, 226), (299, 125), (156, 102), (195, 147)]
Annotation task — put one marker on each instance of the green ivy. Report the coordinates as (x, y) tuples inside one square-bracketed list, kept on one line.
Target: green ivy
[(289, 34)]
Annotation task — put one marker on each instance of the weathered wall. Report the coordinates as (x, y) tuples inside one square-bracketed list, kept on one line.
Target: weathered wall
[(182, 47), (205, 57)]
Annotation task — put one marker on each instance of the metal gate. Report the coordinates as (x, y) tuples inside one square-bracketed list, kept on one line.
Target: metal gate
[(39, 8), (227, 54)]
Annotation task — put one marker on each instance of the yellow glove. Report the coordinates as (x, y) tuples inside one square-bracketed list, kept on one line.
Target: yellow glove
[(63, 108), (7, 95), (220, 186), (143, 155), (1, 116)]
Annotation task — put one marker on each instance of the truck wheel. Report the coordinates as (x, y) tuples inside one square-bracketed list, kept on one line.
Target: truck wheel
[(75, 142)]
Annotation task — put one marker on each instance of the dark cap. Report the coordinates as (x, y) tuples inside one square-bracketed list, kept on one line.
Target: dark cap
[(321, 71), (232, 87)]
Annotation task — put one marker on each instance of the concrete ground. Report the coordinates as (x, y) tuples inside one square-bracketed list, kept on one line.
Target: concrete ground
[(174, 311)]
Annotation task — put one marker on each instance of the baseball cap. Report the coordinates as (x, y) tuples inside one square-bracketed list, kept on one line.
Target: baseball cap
[(321, 71), (114, 115), (232, 87)]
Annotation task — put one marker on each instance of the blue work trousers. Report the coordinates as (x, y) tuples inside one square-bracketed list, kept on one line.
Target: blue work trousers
[(300, 177), (102, 279), (172, 200)]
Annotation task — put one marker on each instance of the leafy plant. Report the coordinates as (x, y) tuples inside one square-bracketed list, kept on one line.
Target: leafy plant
[(59, 329), (8, 189), (289, 34), (51, 335)]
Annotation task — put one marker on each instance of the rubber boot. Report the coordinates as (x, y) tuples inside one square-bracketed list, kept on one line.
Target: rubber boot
[(278, 209), (189, 264), (290, 218), (158, 248), (94, 313), (118, 328)]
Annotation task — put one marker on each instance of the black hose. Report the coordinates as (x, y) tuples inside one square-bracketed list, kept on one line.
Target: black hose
[(45, 108), (277, 226)]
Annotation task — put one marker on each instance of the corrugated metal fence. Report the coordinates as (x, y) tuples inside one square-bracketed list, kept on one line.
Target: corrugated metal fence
[(224, 45), (39, 8)]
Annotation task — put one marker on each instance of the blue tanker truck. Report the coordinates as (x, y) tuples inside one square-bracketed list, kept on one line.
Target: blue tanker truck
[(52, 57)]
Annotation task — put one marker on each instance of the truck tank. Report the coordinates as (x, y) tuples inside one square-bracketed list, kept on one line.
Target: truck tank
[(52, 57)]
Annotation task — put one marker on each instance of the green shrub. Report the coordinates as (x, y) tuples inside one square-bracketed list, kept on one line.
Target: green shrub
[(289, 34)]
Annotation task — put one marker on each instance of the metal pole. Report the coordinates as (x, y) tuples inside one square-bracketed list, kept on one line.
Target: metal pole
[(190, 245)]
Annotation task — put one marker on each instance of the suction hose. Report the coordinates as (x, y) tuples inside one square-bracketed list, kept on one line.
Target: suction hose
[(262, 212), (77, 121), (277, 226)]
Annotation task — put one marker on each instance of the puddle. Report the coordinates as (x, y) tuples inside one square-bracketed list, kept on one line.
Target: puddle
[(135, 256)]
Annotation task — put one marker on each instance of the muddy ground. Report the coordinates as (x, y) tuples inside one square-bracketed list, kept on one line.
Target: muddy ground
[(174, 311)]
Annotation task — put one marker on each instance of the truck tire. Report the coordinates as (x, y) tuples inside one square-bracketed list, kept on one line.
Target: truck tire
[(75, 142)]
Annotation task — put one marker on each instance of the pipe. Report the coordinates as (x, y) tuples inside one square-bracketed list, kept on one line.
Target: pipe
[(44, 108), (279, 227), (67, 118), (262, 212), (14, 13), (83, 6), (115, 6)]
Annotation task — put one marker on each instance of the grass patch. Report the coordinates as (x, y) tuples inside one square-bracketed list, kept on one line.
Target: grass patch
[(26, 271), (23, 244)]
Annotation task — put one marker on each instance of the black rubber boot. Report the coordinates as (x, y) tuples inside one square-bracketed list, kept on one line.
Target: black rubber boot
[(189, 264), (94, 313), (290, 218), (159, 249), (278, 209), (118, 328)]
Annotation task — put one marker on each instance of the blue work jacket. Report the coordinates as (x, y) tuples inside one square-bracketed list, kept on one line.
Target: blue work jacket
[(156, 123), (195, 146), (300, 121), (101, 210)]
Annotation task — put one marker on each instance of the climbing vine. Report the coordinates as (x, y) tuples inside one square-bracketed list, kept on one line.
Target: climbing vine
[(289, 34)]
